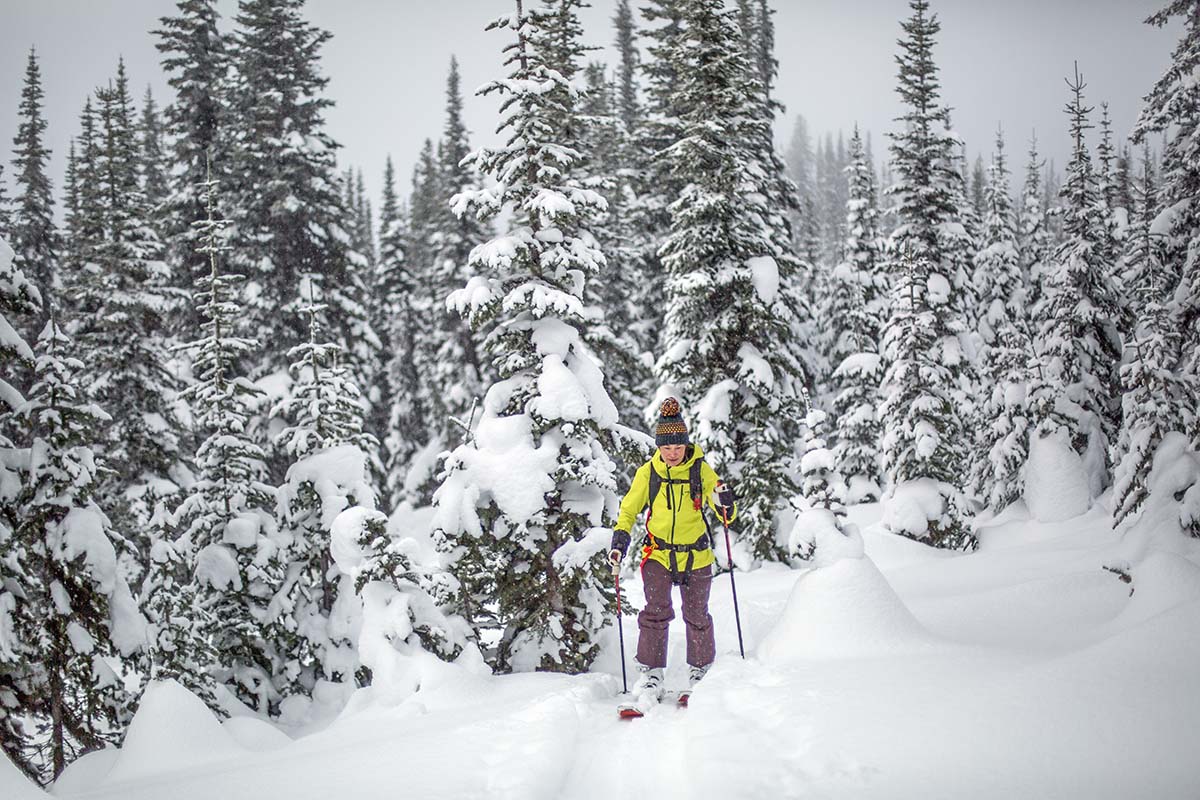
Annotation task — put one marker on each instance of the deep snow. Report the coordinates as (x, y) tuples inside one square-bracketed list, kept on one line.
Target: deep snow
[(1024, 669)]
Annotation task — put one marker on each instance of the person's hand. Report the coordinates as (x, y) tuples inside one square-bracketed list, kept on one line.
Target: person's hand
[(618, 548), (725, 497)]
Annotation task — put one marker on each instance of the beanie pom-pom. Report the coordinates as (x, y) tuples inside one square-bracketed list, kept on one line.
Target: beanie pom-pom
[(670, 408)]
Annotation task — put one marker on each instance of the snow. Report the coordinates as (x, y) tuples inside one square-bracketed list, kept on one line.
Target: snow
[(1026, 666), (172, 730), (844, 610), (764, 272), (1056, 483), (14, 785)]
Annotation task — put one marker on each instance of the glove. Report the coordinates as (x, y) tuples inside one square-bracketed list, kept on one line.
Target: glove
[(620, 544), (725, 497)]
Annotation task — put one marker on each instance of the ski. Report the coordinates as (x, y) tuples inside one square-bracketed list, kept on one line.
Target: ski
[(682, 698), (629, 711)]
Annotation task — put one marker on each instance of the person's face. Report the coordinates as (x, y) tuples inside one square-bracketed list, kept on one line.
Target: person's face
[(672, 453)]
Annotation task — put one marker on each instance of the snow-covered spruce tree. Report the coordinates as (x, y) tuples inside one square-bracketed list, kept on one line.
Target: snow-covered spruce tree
[(1155, 400), (1080, 347), (1033, 237), (818, 487), (524, 554), (923, 436), (383, 572), (1173, 108), (925, 342), (84, 224), (627, 101), (654, 186), (857, 302), (213, 581), (291, 220), (75, 614), (121, 305), (153, 164), (452, 368), (196, 61), (5, 213), (331, 469), (613, 334), (1002, 414), (406, 430), (19, 301), (31, 231), (729, 325)]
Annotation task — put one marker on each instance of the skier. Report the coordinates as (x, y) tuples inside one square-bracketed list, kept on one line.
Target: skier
[(677, 550)]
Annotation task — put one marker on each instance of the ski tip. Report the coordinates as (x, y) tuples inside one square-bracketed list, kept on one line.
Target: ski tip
[(629, 713), (682, 701)]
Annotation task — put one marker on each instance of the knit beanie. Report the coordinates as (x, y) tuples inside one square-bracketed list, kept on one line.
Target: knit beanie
[(670, 428)]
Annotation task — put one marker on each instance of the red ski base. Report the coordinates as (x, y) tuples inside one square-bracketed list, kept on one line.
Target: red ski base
[(683, 700), (629, 713)]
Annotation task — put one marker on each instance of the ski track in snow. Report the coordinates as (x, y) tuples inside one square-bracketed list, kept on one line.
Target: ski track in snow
[(1029, 672)]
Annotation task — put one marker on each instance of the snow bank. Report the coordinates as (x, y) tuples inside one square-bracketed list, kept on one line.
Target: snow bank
[(844, 610), (1056, 483), (82, 774), (172, 730), (14, 785), (1161, 582), (255, 735)]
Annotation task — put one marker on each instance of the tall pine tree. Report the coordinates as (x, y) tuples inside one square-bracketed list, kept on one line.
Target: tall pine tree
[(525, 560)]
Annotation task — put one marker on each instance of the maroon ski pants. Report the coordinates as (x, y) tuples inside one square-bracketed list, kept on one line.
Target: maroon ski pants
[(658, 613)]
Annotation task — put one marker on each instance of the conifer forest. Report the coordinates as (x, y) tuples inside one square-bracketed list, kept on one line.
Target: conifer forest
[(277, 450)]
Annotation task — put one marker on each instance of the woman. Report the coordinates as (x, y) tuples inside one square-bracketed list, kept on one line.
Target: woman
[(675, 482)]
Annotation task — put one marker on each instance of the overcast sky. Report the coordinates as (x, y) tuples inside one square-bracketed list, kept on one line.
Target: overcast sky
[(1002, 63)]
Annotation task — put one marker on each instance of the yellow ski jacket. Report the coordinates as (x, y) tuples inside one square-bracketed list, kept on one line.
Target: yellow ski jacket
[(674, 517)]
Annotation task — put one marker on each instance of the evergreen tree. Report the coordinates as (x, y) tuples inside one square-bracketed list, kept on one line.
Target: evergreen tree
[(1171, 108), (154, 167), (857, 301), (75, 615), (1008, 348), (614, 335), (331, 465), (729, 315), (1155, 398), (121, 303), (32, 232), (627, 101), (1033, 236), (19, 300), (1080, 344), (291, 218), (923, 436), (210, 586), (925, 342), (527, 567), (979, 188), (406, 429), (84, 221), (451, 362), (196, 59)]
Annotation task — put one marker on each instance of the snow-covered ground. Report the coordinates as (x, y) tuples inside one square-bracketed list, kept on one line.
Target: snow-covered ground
[(1023, 670)]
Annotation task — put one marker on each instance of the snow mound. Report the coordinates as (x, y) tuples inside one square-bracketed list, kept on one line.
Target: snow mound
[(844, 610), (255, 735), (172, 730), (1056, 483), (1162, 581), (14, 785), (82, 774)]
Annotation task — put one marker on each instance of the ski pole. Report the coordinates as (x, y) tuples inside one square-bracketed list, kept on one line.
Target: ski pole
[(737, 617), (620, 627)]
